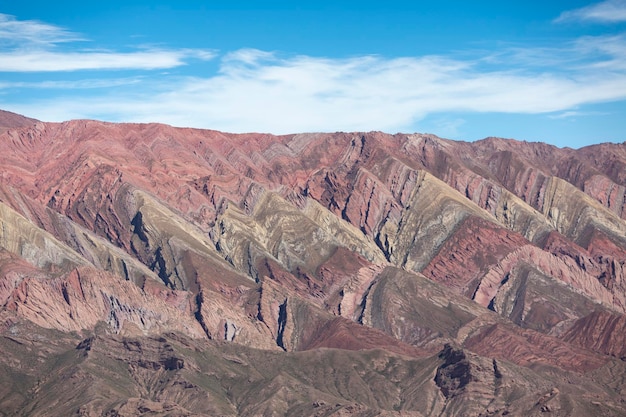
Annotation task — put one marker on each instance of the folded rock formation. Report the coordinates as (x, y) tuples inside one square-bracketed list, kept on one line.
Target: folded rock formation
[(153, 270)]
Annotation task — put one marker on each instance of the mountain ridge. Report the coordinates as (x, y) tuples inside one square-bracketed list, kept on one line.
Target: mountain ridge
[(460, 255)]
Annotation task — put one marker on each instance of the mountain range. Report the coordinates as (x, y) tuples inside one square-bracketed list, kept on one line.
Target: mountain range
[(160, 271)]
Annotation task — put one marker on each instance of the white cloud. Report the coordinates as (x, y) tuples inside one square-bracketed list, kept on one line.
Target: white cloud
[(263, 91), (446, 126), (607, 52), (32, 46), (13, 31), (90, 83), (260, 91), (575, 56), (606, 11), (48, 61), (571, 114)]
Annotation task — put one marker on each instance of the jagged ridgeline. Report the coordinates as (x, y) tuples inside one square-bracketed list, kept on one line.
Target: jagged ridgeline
[(153, 270)]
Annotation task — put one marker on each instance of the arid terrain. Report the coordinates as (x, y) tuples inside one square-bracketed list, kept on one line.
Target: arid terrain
[(159, 271)]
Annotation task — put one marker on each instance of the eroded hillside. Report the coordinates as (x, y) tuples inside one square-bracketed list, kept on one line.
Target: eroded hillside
[(169, 271)]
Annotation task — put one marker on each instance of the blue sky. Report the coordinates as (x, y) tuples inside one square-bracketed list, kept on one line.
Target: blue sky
[(552, 71)]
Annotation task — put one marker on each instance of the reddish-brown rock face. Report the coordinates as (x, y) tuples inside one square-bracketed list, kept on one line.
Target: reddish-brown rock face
[(601, 331), (10, 120), (312, 274)]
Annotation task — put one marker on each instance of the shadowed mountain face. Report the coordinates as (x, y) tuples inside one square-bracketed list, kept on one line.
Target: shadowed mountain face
[(152, 270)]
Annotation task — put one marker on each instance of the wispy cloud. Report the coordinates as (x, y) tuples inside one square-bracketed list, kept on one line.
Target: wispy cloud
[(571, 57), (255, 90), (49, 61), (13, 31), (448, 127), (260, 91), (32, 46), (607, 11), (83, 84), (571, 114)]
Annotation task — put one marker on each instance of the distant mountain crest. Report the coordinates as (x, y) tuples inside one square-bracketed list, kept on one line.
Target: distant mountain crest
[(10, 120)]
